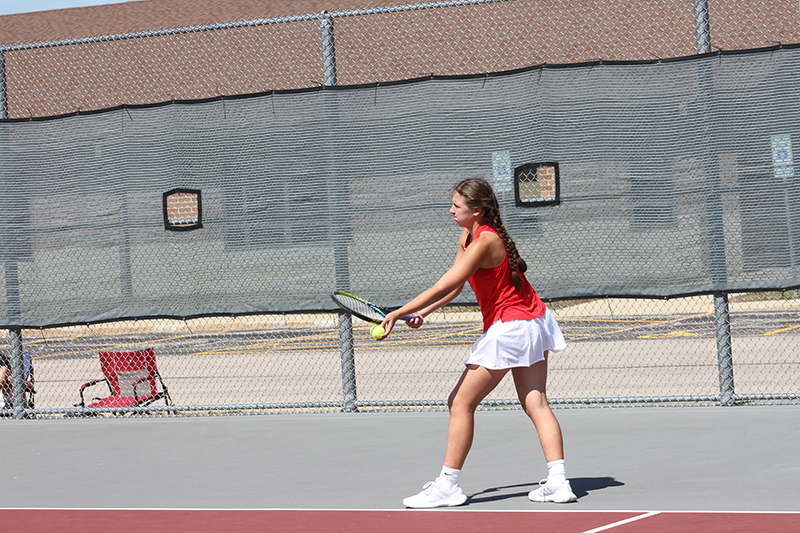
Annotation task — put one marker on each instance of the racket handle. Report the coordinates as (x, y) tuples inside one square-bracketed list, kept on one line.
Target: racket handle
[(407, 317)]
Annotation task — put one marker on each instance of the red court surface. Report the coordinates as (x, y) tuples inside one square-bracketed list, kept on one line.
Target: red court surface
[(406, 521)]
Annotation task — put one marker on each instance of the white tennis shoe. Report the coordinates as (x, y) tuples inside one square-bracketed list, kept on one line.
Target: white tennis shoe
[(548, 493), (432, 496)]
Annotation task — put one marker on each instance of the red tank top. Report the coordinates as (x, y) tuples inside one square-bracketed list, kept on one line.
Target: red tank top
[(497, 297)]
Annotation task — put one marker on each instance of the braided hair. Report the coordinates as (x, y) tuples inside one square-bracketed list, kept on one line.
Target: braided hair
[(478, 193)]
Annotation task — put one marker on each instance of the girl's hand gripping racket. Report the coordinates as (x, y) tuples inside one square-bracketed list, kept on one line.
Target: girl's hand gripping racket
[(361, 308)]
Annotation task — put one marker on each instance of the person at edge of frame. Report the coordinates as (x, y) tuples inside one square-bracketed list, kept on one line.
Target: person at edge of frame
[(6, 396), (519, 332)]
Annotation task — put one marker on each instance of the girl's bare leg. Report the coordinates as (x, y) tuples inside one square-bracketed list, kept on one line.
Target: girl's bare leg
[(531, 385), (475, 384)]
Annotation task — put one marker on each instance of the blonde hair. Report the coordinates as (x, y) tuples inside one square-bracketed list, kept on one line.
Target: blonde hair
[(478, 193)]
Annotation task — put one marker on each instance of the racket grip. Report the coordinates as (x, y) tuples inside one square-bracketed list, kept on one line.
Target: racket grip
[(407, 317)]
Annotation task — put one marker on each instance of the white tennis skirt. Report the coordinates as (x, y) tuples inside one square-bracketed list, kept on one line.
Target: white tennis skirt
[(518, 343)]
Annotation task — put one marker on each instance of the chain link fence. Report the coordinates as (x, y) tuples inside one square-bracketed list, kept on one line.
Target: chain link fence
[(619, 352), (718, 348)]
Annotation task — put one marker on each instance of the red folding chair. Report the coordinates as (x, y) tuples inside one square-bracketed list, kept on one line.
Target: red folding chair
[(132, 379)]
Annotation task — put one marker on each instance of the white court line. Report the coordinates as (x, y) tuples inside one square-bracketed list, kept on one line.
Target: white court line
[(621, 522), (391, 510)]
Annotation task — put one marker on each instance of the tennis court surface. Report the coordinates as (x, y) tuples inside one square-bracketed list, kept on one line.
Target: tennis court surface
[(692, 469)]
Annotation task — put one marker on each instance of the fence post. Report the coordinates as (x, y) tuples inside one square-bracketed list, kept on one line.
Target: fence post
[(724, 353), (17, 372), (722, 324), (328, 49), (347, 350), (340, 248), (3, 92), (702, 30), (15, 337), (12, 287)]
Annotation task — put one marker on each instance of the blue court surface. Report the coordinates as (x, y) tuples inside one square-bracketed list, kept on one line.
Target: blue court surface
[(631, 460)]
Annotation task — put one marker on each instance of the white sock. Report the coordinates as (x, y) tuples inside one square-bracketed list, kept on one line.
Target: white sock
[(556, 472), (448, 478)]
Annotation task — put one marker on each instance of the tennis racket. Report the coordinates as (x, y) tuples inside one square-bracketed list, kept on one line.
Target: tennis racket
[(361, 308)]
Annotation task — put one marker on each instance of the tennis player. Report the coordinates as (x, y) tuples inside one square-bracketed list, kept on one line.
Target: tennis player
[(519, 331)]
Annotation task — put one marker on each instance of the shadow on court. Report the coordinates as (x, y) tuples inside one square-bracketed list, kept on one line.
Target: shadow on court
[(581, 486), (495, 494)]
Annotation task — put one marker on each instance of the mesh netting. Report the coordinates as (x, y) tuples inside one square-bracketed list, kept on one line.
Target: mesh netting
[(676, 178)]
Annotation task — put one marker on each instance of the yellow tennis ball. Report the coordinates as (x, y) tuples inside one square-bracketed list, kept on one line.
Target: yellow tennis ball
[(376, 331)]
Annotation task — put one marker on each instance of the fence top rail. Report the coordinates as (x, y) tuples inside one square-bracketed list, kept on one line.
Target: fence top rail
[(246, 23)]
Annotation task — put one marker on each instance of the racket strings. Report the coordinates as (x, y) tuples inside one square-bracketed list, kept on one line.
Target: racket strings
[(358, 307)]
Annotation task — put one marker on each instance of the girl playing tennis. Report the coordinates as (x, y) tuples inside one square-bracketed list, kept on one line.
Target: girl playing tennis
[(519, 331)]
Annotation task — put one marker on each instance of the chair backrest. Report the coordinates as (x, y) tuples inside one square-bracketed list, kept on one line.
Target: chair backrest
[(123, 369)]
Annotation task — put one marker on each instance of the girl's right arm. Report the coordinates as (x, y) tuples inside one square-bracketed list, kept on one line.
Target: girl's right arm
[(422, 313)]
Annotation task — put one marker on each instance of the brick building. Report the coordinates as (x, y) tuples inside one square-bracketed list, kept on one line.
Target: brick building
[(52, 80)]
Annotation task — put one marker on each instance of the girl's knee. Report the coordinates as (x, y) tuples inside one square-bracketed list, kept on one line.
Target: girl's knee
[(460, 405), (537, 408)]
